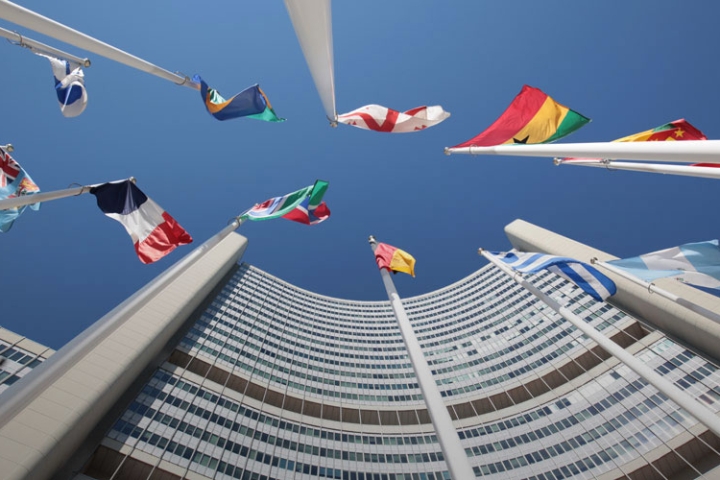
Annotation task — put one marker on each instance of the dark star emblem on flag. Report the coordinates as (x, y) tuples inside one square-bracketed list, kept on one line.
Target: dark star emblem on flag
[(523, 141)]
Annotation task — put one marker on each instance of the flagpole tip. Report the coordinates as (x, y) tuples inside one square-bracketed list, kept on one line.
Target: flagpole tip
[(480, 250), (86, 63), (447, 151), (371, 239), (133, 179), (557, 161), (9, 147)]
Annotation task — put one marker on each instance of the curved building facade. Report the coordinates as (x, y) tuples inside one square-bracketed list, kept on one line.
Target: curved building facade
[(275, 382), (219, 370)]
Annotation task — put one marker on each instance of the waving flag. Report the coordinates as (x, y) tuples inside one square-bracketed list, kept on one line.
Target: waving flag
[(677, 130), (695, 263), (153, 231), (532, 117), (585, 276), (251, 102), (674, 131), (304, 206), (394, 259), (383, 119), (14, 182), (69, 86)]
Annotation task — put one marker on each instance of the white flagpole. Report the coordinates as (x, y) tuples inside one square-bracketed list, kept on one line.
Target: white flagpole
[(652, 288), (23, 200), (46, 26), (312, 21), (8, 148), (685, 401), (452, 449), (688, 151), (683, 170), (42, 48)]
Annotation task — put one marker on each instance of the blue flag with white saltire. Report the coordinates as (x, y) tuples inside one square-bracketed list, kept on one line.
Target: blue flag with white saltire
[(69, 86), (695, 263), (585, 276)]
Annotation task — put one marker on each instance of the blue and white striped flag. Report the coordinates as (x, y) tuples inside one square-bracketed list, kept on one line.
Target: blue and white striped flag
[(69, 85), (694, 263), (581, 274)]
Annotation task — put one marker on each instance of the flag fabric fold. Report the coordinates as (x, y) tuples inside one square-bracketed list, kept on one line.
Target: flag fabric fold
[(585, 276), (394, 259), (251, 102), (69, 85), (304, 206), (14, 182), (154, 232), (695, 263), (383, 119), (678, 130), (532, 117)]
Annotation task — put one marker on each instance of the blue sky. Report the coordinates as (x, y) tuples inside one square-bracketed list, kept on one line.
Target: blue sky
[(628, 69)]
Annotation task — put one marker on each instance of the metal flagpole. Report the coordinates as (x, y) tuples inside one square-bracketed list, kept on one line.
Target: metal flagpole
[(42, 48), (684, 170), (23, 200), (452, 449), (312, 21), (652, 288), (689, 151), (692, 406), (34, 21)]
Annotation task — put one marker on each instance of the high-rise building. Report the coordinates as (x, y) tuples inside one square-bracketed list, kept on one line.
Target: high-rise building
[(219, 370)]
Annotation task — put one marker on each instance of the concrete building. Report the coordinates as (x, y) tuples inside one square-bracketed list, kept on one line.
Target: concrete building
[(219, 370)]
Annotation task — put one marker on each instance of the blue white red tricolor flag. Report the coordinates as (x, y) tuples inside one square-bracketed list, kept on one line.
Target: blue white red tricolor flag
[(14, 182), (69, 86), (585, 276), (383, 119), (154, 232)]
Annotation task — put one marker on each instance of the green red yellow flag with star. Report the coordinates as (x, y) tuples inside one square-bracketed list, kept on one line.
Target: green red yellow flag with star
[(677, 130), (532, 117)]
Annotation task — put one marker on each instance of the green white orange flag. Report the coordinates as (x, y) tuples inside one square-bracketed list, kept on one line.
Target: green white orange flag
[(394, 259), (532, 117)]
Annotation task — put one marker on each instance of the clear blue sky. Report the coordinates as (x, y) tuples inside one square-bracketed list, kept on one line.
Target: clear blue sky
[(629, 68)]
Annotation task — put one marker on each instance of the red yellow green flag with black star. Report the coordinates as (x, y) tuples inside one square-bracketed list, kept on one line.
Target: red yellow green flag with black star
[(532, 117)]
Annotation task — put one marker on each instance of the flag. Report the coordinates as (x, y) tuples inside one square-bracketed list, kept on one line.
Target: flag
[(14, 182), (394, 259), (695, 263), (383, 119), (304, 206), (585, 276), (69, 86), (677, 130), (251, 102), (532, 117), (153, 231), (673, 131)]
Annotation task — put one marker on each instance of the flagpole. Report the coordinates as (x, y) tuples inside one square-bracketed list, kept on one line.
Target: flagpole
[(312, 21), (23, 200), (685, 401), (688, 151), (652, 288), (46, 26), (8, 147), (683, 170), (42, 48), (452, 449)]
